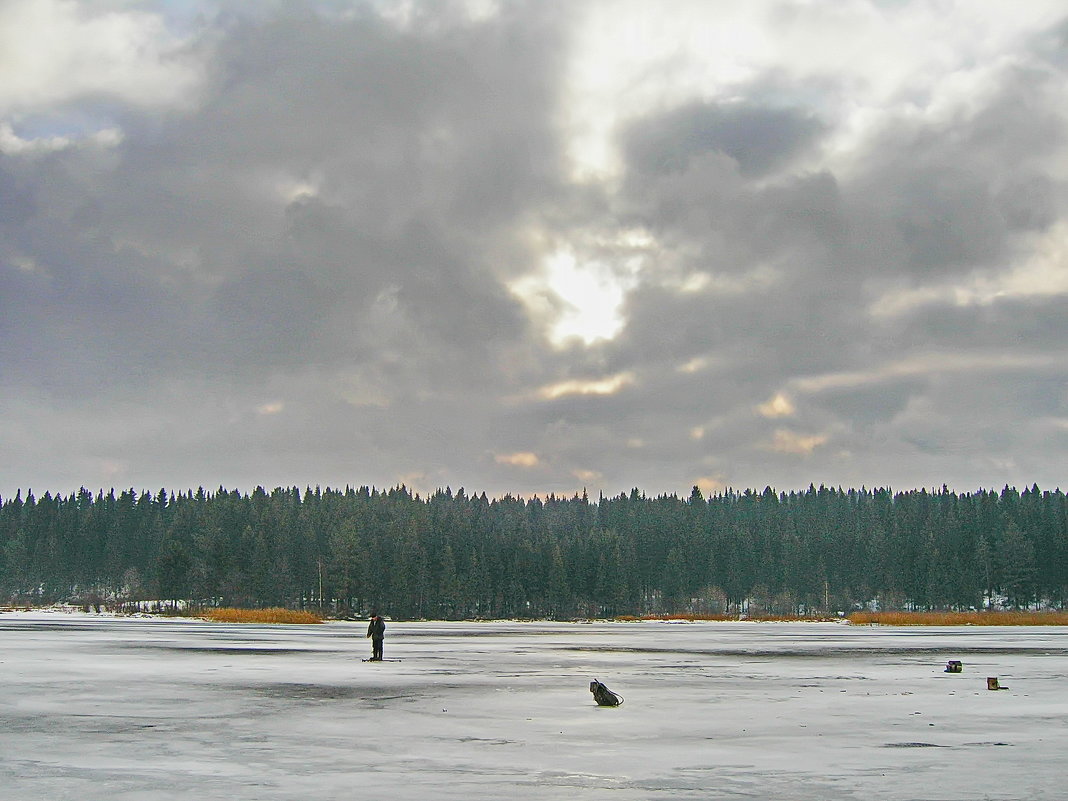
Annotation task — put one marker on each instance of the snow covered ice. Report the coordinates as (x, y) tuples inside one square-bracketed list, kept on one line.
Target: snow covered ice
[(151, 709)]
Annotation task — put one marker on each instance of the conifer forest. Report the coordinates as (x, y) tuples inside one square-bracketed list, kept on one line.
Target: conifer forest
[(456, 556)]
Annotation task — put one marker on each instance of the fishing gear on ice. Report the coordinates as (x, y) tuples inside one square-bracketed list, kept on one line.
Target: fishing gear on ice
[(603, 696)]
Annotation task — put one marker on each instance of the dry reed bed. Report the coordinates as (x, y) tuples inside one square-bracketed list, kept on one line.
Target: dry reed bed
[(272, 615), (960, 618)]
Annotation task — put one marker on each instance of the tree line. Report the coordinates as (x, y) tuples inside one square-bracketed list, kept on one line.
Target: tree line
[(455, 556)]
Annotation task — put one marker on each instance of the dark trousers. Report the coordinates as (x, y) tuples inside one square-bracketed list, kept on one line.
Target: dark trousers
[(376, 648)]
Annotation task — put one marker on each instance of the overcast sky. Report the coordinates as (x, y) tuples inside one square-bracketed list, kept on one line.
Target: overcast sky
[(533, 247)]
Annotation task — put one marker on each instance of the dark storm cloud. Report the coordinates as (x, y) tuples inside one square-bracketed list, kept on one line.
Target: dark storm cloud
[(304, 270), (301, 273), (938, 197), (420, 149), (945, 196), (1038, 324), (757, 139), (16, 201), (794, 235)]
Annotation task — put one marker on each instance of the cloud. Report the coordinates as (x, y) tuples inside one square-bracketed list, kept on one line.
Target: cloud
[(11, 144), (386, 242), (56, 52), (1044, 272), (598, 386), (931, 365), (519, 459), (757, 139), (778, 406), (790, 442), (710, 485), (588, 475), (244, 280)]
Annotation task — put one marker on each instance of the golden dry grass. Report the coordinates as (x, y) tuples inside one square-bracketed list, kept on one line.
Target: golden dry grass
[(960, 618), (272, 615)]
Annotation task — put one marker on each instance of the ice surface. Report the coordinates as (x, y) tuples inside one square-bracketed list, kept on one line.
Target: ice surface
[(152, 709)]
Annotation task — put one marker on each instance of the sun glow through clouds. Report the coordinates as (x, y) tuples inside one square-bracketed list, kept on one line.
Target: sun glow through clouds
[(577, 301), (520, 459), (778, 406), (591, 298)]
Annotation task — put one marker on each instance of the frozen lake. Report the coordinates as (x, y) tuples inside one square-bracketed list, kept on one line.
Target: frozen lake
[(152, 709)]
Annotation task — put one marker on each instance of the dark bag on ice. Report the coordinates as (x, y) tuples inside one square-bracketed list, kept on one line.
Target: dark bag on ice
[(603, 696)]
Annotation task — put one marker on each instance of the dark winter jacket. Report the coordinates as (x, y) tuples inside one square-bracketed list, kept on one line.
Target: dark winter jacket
[(376, 630)]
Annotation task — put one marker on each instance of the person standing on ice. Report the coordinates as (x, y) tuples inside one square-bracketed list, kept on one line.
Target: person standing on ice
[(376, 630)]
